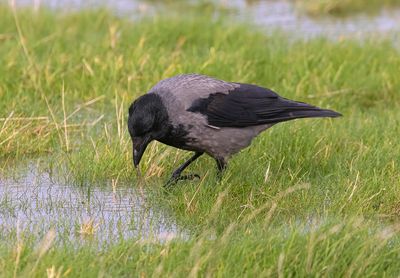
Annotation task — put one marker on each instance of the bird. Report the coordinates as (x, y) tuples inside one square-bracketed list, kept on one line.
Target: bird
[(205, 115)]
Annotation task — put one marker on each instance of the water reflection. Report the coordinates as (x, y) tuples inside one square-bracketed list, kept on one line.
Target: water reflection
[(284, 15), (36, 202)]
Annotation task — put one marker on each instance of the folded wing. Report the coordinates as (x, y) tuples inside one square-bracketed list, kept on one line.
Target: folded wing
[(250, 105)]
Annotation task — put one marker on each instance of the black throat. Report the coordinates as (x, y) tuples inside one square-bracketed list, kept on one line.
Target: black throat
[(177, 136)]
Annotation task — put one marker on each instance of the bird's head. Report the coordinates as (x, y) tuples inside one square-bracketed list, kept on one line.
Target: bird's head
[(147, 121)]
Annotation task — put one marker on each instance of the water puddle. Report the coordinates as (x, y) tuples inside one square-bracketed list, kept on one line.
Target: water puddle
[(283, 15), (270, 15), (35, 202)]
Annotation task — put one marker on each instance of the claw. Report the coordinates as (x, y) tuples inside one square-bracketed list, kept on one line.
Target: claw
[(174, 179), (188, 177)]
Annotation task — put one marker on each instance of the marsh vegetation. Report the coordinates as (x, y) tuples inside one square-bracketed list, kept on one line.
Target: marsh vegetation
[(309, 198)]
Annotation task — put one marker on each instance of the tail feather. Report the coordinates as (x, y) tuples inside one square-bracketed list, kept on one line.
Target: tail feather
[(286, 110), (298, 114)]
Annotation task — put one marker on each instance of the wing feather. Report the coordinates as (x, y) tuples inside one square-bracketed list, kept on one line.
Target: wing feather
[(249, 105)]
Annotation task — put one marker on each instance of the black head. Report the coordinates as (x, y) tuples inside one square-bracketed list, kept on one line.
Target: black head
[(148, 120)]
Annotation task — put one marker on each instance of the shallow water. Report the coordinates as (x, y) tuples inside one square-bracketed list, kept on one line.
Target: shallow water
[(35, 201), (283, 15), (270, 15)]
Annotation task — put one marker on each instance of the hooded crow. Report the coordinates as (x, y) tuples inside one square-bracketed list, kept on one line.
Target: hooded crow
[(202, 114)]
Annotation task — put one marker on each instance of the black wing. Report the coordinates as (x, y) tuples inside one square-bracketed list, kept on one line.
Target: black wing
[(250, 105)]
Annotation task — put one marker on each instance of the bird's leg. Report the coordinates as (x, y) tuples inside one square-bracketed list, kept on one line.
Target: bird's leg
[(176, 175), (221, 166)]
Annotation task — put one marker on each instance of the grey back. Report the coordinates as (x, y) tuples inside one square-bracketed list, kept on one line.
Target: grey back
[(186, 88)]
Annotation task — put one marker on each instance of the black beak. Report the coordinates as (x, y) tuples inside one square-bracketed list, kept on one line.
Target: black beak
[(139, 146)]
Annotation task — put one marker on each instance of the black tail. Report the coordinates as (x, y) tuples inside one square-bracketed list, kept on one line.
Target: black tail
[(300, 110)]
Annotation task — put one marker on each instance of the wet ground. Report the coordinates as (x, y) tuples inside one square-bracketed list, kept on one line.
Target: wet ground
[(36, 201), (270, 15)]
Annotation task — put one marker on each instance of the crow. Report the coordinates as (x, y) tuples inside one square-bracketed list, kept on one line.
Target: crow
[(202, 114)]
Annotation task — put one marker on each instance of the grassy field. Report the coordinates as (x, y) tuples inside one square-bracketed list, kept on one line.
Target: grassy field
[(315, 197)]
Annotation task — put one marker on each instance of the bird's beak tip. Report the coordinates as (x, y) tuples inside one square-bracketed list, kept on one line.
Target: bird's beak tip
[(135, 158), (137, 154)]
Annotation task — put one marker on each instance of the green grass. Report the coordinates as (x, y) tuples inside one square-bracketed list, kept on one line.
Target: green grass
[(335, 249), (310, 198)]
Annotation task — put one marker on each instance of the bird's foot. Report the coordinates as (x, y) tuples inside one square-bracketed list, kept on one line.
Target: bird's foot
[(176, 177), (189, 177)]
